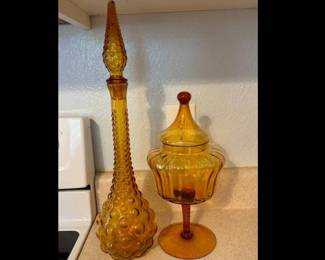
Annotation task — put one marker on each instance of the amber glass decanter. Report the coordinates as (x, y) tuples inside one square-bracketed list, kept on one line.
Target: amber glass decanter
[(126, 223), (185, 168)]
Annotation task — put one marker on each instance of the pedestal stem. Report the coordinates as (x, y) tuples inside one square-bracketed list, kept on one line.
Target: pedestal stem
[(186, 233)]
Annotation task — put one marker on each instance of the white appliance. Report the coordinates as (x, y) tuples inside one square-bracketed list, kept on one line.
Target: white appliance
[(77, 207)]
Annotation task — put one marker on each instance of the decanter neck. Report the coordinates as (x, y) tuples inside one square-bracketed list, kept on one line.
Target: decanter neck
[(120, 127), (117, 88)]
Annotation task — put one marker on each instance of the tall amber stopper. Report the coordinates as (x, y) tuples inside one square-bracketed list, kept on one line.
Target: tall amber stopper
[(126, 223)]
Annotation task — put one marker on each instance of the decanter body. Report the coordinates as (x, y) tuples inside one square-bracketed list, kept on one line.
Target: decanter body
[(126, 223)]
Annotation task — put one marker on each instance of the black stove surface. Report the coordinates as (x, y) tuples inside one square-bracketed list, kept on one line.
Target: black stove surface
[(67, 239)]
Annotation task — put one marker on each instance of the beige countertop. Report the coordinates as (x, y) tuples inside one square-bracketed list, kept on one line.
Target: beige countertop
[(236, 233), (231, 214)]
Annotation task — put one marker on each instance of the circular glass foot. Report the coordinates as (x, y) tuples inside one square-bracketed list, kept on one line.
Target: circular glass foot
[(201, 244)]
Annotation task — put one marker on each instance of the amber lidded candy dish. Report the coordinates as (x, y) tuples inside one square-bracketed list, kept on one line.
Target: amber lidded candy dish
[(185, 168)]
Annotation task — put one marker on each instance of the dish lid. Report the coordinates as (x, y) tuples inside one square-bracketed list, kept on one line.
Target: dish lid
[(184, 131)]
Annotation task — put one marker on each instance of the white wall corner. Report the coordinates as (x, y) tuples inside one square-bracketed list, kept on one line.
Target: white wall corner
[(73, 14)]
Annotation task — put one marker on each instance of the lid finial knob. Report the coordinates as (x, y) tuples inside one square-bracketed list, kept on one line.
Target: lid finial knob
[(184, 97)]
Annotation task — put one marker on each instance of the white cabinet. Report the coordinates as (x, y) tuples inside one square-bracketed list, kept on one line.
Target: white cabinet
[(78, 12)]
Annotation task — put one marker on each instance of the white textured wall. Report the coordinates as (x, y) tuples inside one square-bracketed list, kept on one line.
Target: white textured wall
[(211, 54)]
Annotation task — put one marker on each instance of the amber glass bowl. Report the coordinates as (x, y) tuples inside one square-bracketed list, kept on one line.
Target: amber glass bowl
[(185, 175)]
